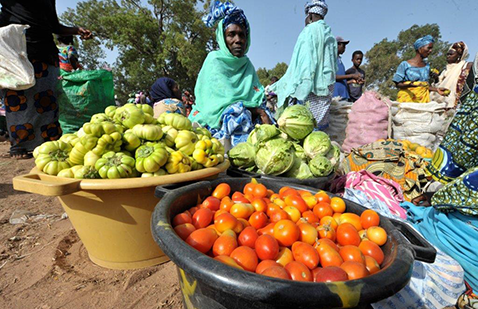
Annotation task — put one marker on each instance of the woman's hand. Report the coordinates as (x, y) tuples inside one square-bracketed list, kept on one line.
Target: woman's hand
[(84, 34), (443, 92)]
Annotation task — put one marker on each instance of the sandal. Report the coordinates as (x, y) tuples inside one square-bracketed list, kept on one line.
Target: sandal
[(20, 154)]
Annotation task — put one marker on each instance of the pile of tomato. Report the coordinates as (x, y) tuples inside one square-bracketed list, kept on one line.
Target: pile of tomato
[(292, 234)]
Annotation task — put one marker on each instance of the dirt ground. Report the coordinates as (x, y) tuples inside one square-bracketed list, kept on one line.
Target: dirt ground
[(44, 265)]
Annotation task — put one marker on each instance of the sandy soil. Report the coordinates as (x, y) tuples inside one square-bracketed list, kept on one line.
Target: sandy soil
[(44, 265)]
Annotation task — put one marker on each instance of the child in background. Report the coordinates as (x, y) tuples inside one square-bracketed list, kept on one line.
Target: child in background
[(355, 86)]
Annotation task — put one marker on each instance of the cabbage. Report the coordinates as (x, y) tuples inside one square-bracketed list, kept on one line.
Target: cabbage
[(300, 170), (242, 155), (299, 151), (320, 166), (334, 155), (317, 143), (262, 133), (297, 121), (275, 156)]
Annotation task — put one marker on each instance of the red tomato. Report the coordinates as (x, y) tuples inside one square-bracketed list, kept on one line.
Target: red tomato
[(283, 189), (239, 198), (245, 257), (288, 192), (338, 204), (347, 235), (329, 242), (267, 247), (352, 253), (259, 204), (182, 218), (355, 270), (226, 203), (285, 256), (212, 203), (276, 272), (260, 190), (297, 202), (249, 189), (329, 256), (239, 227), (377, 234), (326, 231), (184, 230), (242, 210), (322, 210), (258, 220), (202, 218), (225, 222), (298, 271), (228, 261), (286, 232), (369, 248), (224, 245), (248, 237), (305, 254), (322, 196), (330, 274), (279, 215), (192, 210), (268, 229), (352, 219), (369, 218), (371, 265), (308, 233), (222, 190), (328, 220), (202, 239), (266, 264), (310, 217)]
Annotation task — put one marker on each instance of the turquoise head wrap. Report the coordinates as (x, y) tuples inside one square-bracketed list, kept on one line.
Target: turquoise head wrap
[(423, 42)]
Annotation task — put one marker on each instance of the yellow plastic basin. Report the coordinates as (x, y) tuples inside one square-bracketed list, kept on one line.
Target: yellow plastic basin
[(112, 217)]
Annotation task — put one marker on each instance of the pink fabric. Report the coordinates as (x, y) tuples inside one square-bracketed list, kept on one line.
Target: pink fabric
[(368, 121), (378, 188)]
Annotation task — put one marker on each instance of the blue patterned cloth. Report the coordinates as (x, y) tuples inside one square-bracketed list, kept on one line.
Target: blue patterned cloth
[(424, 41), (361, 198), (237, 123), (407, 72), (231, 14), (317, 7)]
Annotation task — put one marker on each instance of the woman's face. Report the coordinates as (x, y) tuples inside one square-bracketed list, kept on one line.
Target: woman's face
[(452, 56), (426, 50), (176, 91), (236, 40)]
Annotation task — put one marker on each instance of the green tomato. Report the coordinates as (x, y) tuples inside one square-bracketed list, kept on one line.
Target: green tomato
[(69, 172), (185, 142), (90, 158), (115, 165), (131, 141), (129, 116), (170, 135), (98, 118), (151, 157), (110, 111), (177, 121), (147, 109), (108, 142), (52, 157), (85, 144), (149, 132), (86, 172)]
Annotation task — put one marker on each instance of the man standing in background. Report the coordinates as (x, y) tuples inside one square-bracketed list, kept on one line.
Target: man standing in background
[(340, 89), (355, 86)]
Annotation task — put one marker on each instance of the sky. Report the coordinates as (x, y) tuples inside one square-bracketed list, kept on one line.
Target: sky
[(276, 24)]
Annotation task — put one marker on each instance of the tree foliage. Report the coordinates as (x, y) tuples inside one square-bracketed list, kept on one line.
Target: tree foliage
[(385, 56), (265, 74), (153, 39)]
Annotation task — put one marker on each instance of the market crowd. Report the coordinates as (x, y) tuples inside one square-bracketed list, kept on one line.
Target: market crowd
[(229, 101)]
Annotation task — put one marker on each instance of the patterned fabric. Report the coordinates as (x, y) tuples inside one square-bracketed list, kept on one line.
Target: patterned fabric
[(169, 106), (458, 151), (377, 188), (236, 124), (317, 7), (453, 233), (32, 114), (424, 41), (414, 94), (459, 195), (231, 14), (362, 199), (388, 160), (432, 286), (64, 54), (320, 108)]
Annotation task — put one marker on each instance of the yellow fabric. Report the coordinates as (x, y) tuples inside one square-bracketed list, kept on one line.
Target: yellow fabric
[(419, 94)]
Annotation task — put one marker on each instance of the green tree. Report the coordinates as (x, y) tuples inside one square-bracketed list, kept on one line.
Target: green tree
[(385, 56), (153, 39), (265, 74)]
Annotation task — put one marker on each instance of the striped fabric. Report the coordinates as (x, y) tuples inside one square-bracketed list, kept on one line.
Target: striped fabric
[(378, 188)]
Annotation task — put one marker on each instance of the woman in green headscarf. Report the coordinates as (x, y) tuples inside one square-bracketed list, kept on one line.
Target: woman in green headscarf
[(228, 91)]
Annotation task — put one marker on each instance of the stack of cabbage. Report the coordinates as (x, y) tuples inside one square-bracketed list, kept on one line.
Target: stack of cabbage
[(128, 142), (293, 151)]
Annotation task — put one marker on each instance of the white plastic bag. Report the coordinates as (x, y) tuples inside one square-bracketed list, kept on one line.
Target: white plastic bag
[(421, 123), (16, 71)]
